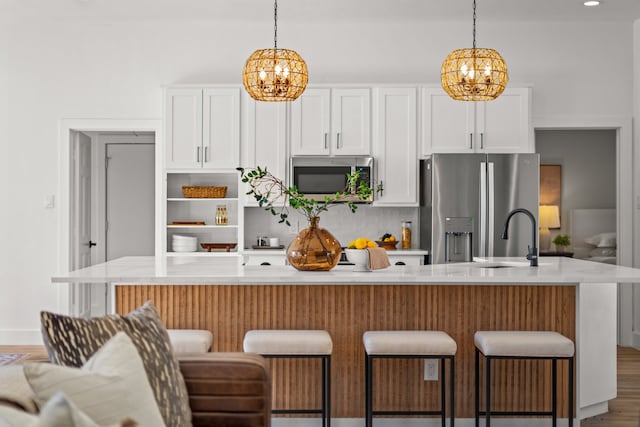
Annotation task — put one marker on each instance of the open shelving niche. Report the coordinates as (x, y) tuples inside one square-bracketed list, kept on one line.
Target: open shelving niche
[(180, 208)]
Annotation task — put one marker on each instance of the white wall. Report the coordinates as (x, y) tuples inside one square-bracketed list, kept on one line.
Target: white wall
[(52, 70), (588, 159), (636, 144)]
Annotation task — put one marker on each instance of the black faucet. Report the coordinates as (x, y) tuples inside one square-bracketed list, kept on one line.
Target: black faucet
[(532, 255)]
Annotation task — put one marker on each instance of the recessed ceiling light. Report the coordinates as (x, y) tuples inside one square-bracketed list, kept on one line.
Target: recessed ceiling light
[(592, 3)]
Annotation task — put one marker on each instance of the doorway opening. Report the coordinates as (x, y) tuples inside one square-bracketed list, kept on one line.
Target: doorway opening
[(578, 180), (122, 188)]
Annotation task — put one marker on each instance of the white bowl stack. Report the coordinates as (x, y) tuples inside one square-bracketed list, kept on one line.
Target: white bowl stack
[(181, 243)]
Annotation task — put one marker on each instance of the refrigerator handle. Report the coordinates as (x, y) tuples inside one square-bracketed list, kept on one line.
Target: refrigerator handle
[(483, 210), (491, 211), (471, 141)]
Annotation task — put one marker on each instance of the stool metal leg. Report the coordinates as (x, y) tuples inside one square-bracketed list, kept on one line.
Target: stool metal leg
[(443, 393), (324, 392), (368, 391), (452, 381), (554, 392), (570, 398), (477, 387), (328, 391), (487, 379)]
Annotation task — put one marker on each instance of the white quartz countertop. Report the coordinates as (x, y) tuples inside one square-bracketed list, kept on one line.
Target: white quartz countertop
[(222, 270), (392, 253)]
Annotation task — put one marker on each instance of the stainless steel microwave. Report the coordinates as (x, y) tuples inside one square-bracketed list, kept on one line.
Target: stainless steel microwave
[(318, 177)]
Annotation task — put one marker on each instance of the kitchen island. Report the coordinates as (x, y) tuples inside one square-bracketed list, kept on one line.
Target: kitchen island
[(573, 297)]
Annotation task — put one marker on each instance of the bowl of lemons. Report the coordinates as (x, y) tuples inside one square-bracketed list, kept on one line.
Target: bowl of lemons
[(387, 241), (357, 255)]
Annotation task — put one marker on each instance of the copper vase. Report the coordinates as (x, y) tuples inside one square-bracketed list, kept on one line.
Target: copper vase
[(314, 249)]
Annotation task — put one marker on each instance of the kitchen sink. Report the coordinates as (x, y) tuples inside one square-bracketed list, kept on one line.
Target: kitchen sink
[(500, 264)]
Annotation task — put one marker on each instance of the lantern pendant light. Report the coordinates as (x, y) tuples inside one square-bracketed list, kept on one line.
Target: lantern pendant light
[(275, 75), (476, 74)]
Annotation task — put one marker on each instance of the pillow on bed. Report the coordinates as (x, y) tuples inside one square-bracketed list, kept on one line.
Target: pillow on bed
[(602, 240), (599, 252)]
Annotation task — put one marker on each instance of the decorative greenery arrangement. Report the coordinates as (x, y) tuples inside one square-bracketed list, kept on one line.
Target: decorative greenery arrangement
[(562, 240), (268, 190)]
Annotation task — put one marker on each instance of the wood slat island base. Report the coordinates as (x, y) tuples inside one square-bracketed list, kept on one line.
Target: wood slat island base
[(346, 311)]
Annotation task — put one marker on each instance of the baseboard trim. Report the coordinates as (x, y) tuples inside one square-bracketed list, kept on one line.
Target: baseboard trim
[(421, 422), (20, 337), (593, 410), (635, 340)]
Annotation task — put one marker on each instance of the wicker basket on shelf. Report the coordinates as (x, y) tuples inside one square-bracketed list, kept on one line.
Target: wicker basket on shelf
[(195, 192)]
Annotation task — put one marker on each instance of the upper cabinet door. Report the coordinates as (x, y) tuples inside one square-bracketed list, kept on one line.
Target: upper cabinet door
[(311, 123), (504, 124), (351, 122), (221, 128), (447, 125), (266, 129), (183, 121), (395, 146)]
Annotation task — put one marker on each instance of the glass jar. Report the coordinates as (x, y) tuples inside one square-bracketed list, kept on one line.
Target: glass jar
[(406, 234)]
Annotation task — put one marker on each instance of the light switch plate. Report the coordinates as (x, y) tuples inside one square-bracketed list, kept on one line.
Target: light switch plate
[(50, 201), (431, 369)]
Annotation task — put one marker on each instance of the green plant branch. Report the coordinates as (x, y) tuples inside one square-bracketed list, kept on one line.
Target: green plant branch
[(269, 190)]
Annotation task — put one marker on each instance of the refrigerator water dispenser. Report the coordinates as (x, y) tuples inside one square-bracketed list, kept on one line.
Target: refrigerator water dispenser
[(458, 239)]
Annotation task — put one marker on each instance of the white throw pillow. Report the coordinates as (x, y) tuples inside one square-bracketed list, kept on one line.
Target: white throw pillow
[(602, 240), (57, 412), (111, 386), (602, 252)]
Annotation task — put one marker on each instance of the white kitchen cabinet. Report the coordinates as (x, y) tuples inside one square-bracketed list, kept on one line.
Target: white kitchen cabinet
[(266, 140), (331, 122), (499, 126), (180, 209), (202, 128), (395, 146)]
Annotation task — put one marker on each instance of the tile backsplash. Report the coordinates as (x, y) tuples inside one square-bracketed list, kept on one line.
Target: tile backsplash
[(367, 221)]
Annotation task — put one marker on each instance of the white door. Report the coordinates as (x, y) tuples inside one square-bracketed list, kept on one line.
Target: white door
[(81, 220), (311, 123), (221, 128), (130, 200), (184, 128), (503, 125), (447, 125), (395, 146), (351, 122)]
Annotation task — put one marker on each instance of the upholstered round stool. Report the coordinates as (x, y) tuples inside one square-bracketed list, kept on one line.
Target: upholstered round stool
[(190, 340), (536, 345), (409, 345), (310, 344)]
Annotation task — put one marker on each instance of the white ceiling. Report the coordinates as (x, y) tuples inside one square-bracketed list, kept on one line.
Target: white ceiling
[(323, 10)]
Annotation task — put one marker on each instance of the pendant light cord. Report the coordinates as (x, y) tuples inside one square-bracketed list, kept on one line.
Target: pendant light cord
[(275, 24), (474, 24)]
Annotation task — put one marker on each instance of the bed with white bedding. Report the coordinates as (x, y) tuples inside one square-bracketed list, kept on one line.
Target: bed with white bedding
[(593, 234)]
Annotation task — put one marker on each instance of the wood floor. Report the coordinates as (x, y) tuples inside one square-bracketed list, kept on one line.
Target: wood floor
[(624, 411)]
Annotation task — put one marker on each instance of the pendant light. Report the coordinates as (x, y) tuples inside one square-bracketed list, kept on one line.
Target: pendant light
[(275, 74), (476, 74)]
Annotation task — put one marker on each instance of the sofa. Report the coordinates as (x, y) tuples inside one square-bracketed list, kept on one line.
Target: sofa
[(225, 389)]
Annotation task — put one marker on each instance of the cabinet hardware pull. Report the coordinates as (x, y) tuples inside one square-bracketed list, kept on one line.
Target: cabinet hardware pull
[(325, 140), (470, 141), (338, 140), (481, 140), (198, 154), (206, 154)]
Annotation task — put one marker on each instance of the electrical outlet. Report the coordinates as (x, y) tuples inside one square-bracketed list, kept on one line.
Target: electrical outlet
[(431, 369)]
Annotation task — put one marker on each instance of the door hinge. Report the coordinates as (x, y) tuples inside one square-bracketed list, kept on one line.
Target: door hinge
[(106, 162), (106, 226)]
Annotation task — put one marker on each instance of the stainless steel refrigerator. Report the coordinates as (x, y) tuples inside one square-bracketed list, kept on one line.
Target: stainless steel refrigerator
[(478, 191)]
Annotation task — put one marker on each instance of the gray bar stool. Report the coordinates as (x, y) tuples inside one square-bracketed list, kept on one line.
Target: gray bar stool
[(307, 344), (533, 345), (409, 345)]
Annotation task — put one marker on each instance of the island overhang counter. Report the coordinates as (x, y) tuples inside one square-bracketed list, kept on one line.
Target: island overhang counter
[(573, 297)]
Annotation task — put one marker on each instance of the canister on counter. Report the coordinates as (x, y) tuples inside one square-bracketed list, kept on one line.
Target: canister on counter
[(406, 234)]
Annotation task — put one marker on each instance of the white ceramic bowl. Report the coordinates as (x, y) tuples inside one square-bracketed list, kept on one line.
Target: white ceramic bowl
[(360, 259)]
